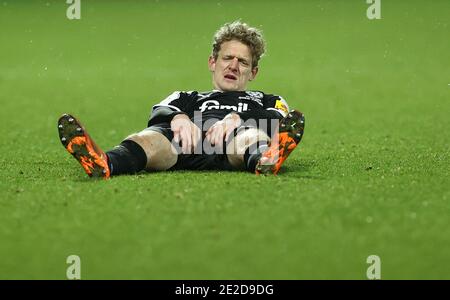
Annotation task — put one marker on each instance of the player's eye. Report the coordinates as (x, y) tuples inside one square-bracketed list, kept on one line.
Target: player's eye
[(244, 62)]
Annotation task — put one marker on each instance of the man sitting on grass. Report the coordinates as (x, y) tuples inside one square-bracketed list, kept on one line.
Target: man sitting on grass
[(228, 128)]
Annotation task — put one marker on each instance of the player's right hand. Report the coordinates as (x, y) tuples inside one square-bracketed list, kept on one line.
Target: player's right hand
[(186, 131)]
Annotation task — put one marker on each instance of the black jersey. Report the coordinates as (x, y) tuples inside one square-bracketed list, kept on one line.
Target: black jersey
[(216, 104)]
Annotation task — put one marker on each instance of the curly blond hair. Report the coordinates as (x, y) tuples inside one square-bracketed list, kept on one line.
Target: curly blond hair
[(250, 36)]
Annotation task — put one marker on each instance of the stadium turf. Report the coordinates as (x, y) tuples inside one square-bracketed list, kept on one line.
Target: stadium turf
[(371, 176)]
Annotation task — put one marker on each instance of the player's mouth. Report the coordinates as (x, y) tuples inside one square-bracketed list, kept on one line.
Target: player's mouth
[(230, 77)]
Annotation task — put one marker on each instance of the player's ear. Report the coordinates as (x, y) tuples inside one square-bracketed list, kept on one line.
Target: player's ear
[(254, 72), (211, 63)]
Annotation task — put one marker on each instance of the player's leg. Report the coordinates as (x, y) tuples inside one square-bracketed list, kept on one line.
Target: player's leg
[(251, 149), (245, 148), (147, 149), (286, 139), (161, 154)]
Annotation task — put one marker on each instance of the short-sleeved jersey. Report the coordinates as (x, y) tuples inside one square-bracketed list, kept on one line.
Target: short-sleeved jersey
[(216, 104)]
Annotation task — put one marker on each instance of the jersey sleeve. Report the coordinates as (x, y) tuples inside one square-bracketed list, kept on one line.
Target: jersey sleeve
[(277, 104), (176, 103)]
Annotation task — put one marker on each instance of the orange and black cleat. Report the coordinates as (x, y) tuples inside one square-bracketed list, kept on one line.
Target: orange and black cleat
[(289, 135), (77, 141)]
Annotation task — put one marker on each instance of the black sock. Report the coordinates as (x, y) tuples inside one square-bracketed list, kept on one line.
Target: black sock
[(253, 154), (126, 158)]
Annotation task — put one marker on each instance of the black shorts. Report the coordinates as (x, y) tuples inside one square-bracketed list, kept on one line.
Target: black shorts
[(194, 161)]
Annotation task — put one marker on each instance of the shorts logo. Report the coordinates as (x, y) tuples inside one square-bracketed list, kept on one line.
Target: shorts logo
[(214, 104), (281, 106)]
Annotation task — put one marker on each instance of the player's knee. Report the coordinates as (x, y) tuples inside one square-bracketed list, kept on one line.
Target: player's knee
[(241, 142), (244, 139), (161, 155)]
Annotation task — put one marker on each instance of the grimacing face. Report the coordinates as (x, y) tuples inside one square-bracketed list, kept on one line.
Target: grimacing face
[(232, 70)]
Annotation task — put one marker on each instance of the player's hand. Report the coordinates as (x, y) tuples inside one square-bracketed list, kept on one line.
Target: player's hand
[(186, 131), (221, 130)]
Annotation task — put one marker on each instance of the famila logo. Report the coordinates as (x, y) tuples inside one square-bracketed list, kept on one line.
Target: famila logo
[(214, 104)]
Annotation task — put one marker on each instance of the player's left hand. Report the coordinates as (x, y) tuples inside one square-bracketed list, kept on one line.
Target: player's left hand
[(221, 130)]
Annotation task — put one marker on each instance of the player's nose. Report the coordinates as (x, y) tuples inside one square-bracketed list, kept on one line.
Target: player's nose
[(234, 64)]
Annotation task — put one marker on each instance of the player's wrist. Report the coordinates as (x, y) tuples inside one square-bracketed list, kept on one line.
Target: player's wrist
[(181, 116), (233, 116)]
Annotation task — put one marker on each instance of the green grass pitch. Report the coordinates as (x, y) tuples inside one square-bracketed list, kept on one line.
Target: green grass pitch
[(371, 176)]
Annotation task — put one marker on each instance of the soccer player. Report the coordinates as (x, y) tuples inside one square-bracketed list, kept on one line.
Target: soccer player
[(228, 128)]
